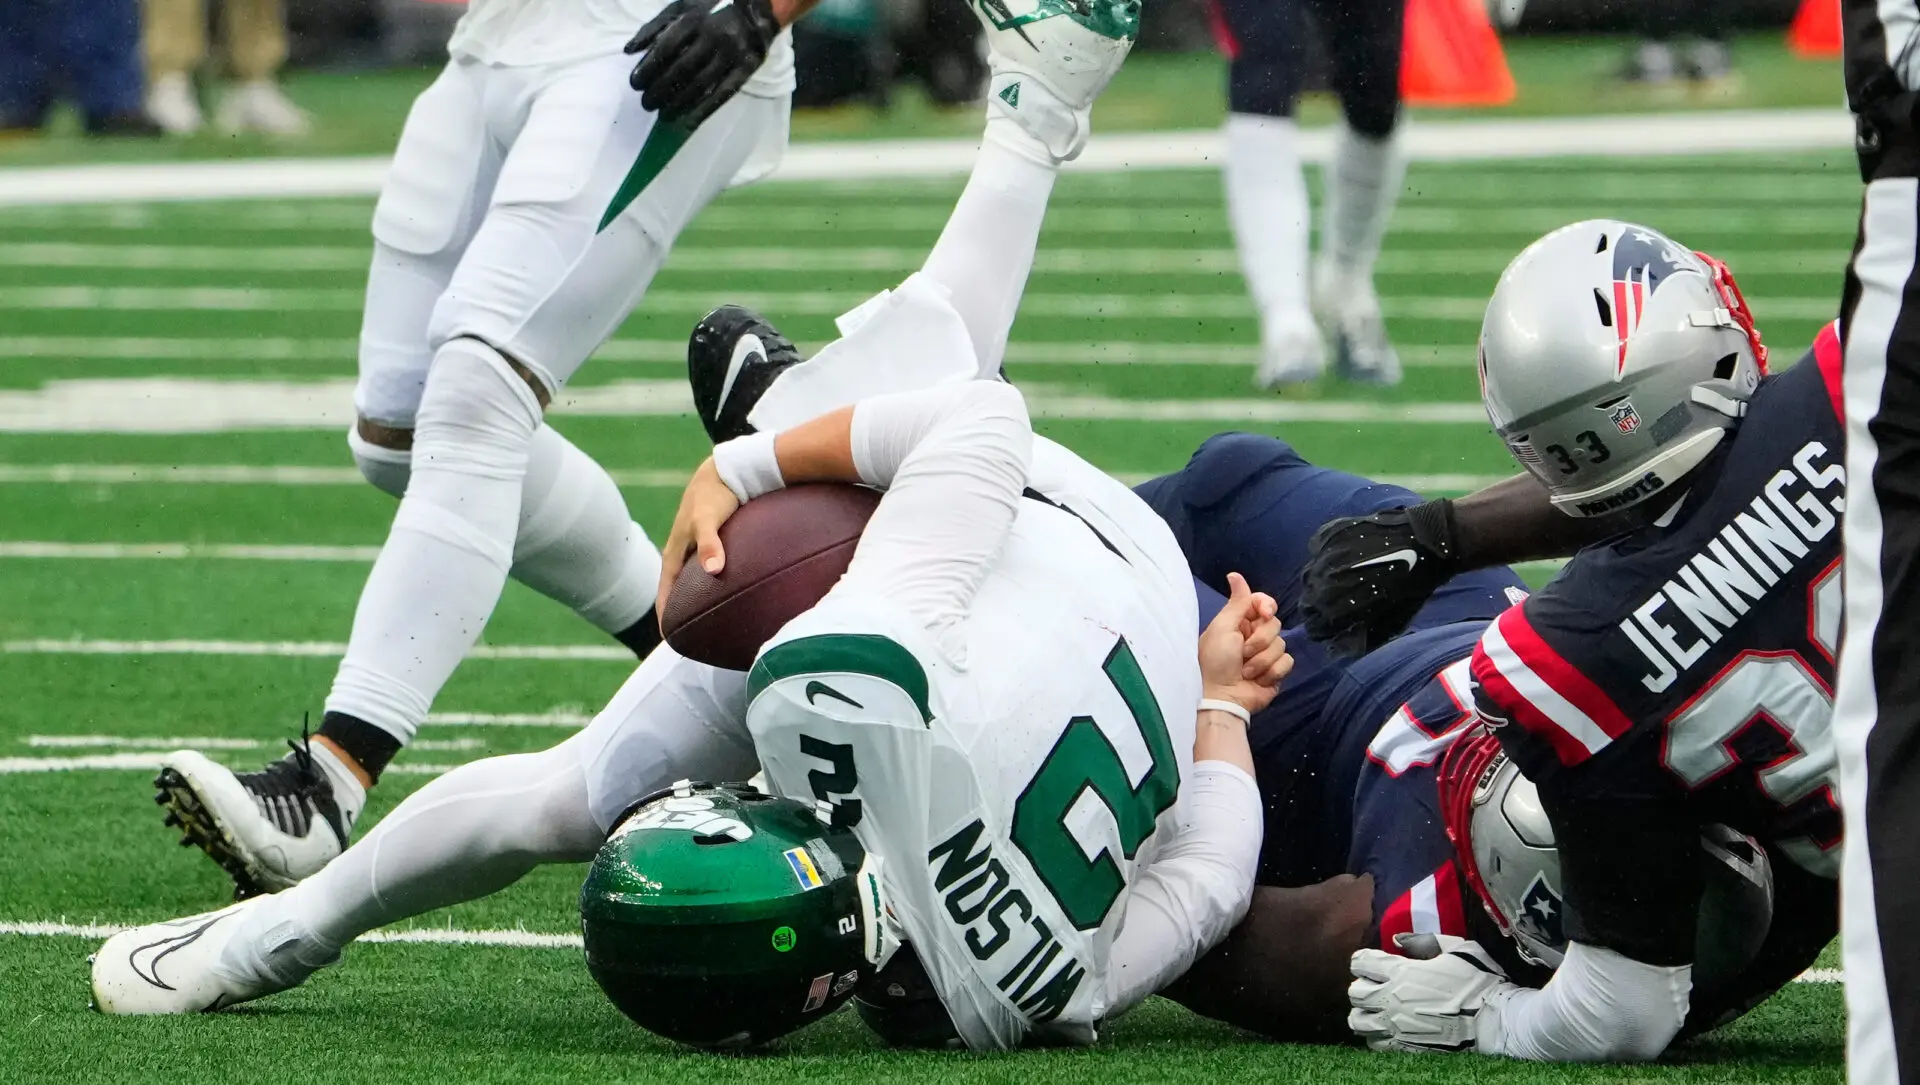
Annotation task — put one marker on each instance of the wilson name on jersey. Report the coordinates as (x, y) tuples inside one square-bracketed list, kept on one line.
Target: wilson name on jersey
[(1693, 662)]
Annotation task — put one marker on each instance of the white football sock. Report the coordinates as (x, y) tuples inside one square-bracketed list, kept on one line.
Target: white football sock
[(1267, 203), (474, 831), (985, 253), (439, 575), (578, 544), (1364, 178)]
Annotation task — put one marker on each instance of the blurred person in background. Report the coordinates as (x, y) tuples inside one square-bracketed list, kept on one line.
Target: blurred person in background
[(531, 200), (1683, 40), (253, 37), (84, 50), (1267, 44)]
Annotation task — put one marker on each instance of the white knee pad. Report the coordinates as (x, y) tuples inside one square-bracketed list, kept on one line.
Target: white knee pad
[(578, 545), (387, 468)]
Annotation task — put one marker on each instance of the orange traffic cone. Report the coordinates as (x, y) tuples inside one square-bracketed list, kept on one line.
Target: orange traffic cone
[(1816, 29), (1452, 57)]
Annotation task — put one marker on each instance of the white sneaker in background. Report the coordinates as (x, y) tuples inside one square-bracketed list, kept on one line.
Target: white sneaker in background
[(1350, 311), (172, 104), (261, 106), (1291, 352)]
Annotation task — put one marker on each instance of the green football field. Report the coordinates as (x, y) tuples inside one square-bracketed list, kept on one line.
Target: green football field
[(182, 539)]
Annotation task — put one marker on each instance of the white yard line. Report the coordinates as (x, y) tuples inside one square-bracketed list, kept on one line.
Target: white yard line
[(516, 939), (146, 762), (113, 474), (187, 551), (1160, 262), (444, 936), (86, 742), (1155, 306), (79, 646), (1434, 140), (190, 405)]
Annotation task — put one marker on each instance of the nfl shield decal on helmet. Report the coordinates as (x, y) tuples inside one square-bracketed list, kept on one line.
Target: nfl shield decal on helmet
[(1541, 911), (1624, 418), (1642, 260)]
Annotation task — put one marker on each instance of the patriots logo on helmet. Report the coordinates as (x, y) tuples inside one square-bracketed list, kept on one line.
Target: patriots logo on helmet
[(1625, 419), (1642, 260), (1541, 912)]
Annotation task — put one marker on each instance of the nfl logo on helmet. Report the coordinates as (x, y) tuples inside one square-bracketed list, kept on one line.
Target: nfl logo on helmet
[(1625, 419)]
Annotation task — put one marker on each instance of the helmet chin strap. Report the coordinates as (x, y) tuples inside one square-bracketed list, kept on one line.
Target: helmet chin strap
[(1719, 396), (879, 931)]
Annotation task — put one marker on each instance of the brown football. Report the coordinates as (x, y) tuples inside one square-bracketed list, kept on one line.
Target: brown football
[(784, 551)]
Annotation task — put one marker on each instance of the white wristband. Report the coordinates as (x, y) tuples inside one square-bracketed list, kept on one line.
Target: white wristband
[(748, 466), (1209, 704)]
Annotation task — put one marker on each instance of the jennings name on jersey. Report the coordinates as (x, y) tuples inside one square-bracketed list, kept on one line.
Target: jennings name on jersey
[(1019, 799), (1690, 664)]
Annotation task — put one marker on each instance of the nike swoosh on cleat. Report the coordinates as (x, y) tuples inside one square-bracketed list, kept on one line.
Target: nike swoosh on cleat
[(149, 969), (814, 688), (745, 350), (1407, 556)]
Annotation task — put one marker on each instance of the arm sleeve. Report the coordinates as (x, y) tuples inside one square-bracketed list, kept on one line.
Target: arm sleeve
[(954, 462), (1197, 888), (1600, 1006)]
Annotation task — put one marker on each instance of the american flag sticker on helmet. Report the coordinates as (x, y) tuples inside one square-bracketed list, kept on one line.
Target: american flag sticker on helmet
[(804, 871), (817, 992), (1524, 451)]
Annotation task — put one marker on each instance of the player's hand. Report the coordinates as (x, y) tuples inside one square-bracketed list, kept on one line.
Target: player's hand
[(1427, 1001), (1242, 658), (699, 53), (1367, 576), (704, 506)]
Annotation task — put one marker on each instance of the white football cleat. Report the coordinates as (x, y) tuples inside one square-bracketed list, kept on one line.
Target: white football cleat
[(1350, 311), (261, 106), (201, 963), (1291, 352), (1067, 50), (267, 829), (172, 104)]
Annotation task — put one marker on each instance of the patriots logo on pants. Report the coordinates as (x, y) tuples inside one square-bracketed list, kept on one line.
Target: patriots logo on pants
[(1641, 262)]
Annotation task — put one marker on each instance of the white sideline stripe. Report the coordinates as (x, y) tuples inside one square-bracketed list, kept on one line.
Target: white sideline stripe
[(1690, 133), (1063, 261), (108, 474), (674, 351), (426, 936), (15, 766), (83, 742), (556, 718), (184, 551), (191, 405), (291, 649), (1155, 306), (515, 939)]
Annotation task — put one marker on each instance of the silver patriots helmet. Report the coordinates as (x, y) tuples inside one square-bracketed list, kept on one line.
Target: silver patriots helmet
[(1505, 848), (1613, 360)]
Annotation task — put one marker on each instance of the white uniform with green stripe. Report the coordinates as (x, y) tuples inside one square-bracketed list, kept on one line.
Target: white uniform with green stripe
[(999, 697)]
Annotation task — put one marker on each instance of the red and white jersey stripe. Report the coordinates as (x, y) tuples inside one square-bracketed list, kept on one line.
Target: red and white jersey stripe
[(1522, 680), (1433, 906)]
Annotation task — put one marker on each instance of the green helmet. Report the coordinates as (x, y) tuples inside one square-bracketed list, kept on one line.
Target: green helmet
[(722, 917)]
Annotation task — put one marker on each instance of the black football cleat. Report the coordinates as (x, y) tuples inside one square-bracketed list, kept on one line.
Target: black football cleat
[(732, 359)]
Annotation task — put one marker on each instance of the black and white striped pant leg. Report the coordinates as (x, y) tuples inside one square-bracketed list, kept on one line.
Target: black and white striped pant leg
[(1877, 702)]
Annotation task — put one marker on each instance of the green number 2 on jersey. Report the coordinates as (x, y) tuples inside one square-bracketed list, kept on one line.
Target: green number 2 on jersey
[(1084, 760)]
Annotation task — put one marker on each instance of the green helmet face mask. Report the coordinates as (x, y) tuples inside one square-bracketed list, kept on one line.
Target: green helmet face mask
[(724, 918)]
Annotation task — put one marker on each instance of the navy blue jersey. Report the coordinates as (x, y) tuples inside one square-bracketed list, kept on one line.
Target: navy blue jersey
[(1681, 675)]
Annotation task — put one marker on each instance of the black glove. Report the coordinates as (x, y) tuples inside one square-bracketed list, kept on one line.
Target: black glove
[(699, 54), (1367, 576)]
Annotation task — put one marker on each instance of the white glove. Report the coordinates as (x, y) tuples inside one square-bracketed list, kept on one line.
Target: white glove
[(1426, 1001)]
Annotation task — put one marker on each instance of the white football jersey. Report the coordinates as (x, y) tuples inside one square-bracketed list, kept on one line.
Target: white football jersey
[(526, 32), (1014, 794)]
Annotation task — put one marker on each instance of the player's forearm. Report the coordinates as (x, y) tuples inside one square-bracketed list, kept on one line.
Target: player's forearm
[(1600, 1006), (1221, 736), (788, 12), (1513, 520)]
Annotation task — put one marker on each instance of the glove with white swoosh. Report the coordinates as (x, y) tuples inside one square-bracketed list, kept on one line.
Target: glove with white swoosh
[(1367, 576), (1428, 1001)]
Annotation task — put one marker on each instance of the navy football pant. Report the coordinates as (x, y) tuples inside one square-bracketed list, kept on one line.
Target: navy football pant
[(1250, 504), (87, 50), (1267, 44)]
